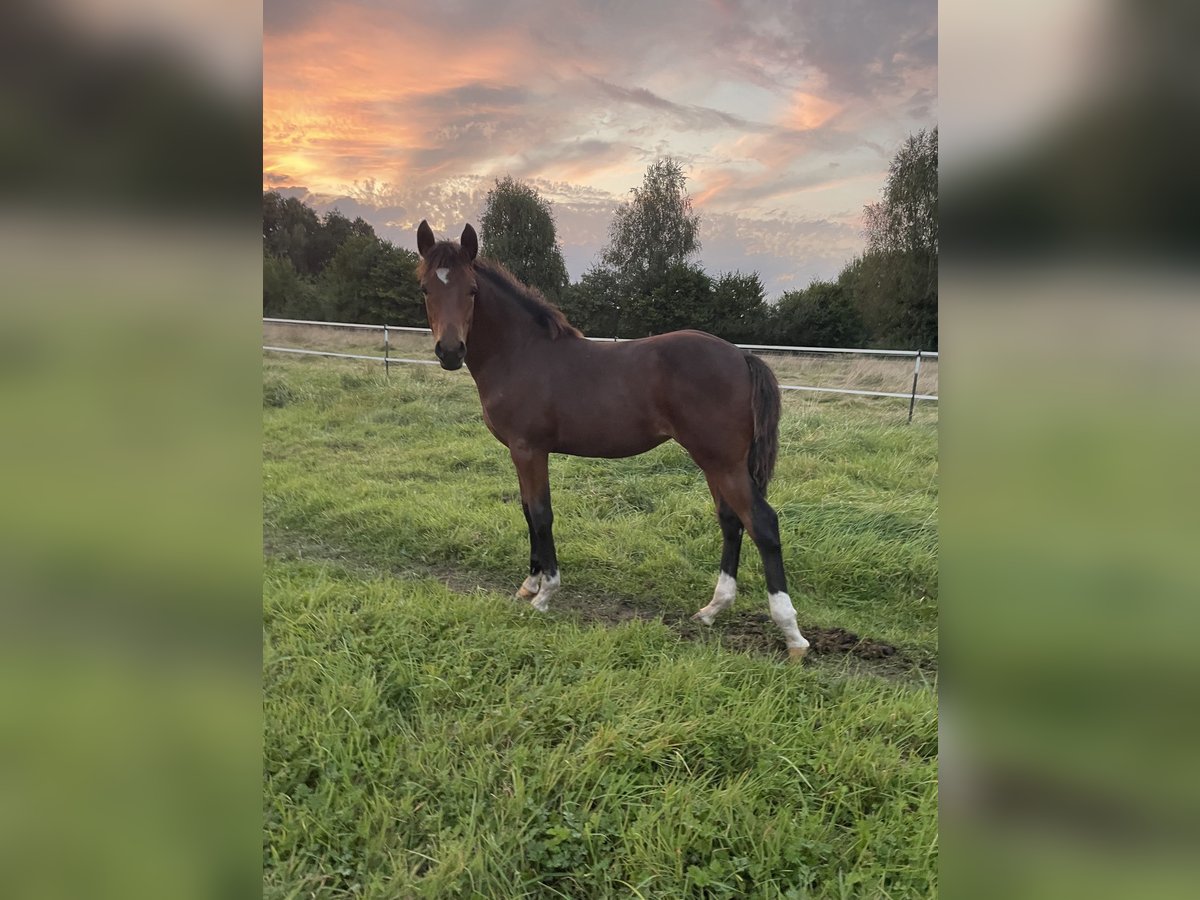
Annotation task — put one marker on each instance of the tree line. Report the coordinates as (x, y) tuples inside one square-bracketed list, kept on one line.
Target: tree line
[(645, 280)]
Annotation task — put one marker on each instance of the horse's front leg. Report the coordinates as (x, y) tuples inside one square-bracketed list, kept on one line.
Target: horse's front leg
[(533, 471), (533, 581)]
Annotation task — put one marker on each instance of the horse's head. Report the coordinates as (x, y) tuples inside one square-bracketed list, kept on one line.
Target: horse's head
[(447, 275)]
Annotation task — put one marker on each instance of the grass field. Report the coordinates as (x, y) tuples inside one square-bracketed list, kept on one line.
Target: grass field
[(428, 736)]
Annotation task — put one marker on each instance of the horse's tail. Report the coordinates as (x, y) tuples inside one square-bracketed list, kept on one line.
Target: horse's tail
[(764, 400)]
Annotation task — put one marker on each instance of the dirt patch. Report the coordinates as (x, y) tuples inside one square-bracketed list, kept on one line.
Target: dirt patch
[(736, 630), (754, 632)]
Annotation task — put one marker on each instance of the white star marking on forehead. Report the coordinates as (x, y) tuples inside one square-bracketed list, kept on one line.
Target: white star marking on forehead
[(444, 275)]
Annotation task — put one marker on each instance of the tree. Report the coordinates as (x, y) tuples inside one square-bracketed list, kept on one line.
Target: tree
[(345, 280), (334, 230), (290, 230), (895, 281), (286, 294), (393, 284), (905, 221), (517, 230), (821, 315), (372, 282), (594, 303), (739, 309), (655, 230), (646, 263), (334, 268), (272, 223), (681, 297)]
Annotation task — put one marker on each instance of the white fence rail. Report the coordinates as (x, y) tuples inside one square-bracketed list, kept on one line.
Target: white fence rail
[(387, 359)]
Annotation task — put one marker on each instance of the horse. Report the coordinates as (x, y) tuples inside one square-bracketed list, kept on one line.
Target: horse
[(544, 388)]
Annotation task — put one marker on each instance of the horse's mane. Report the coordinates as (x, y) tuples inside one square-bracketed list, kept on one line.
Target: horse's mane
[(446, 254), (528, 298)]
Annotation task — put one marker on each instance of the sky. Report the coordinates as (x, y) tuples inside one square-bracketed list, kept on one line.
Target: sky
[(784, 115)]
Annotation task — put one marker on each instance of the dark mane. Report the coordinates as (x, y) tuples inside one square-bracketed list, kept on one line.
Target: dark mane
[(528, 298), (447, 255)]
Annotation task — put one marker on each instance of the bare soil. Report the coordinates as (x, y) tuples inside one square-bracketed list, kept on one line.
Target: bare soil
[(754, 632)]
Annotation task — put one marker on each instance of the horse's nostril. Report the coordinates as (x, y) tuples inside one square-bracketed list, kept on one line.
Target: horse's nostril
[(438, 351)]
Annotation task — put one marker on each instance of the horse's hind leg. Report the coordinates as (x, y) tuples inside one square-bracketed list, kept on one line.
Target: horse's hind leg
[(751, 507), (731, 550), (766, 531)]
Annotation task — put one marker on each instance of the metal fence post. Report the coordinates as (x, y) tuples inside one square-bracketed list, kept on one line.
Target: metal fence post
[(913, 400), (386, 371)]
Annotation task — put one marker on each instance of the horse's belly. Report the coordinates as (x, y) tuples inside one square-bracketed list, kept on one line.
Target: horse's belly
[(609, 446), (617, 419)]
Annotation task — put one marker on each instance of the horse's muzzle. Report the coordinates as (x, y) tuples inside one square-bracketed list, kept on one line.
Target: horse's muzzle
[(450, 359)]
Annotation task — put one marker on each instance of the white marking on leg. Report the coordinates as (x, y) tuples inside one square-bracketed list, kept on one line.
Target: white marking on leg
[(529, 586), (550, 584), (443, 276), (784, 616), (722, 597)]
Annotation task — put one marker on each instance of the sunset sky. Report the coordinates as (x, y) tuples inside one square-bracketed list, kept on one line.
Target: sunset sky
[(784, 115)]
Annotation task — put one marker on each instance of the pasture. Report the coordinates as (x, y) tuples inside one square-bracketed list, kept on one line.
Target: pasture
[(428, 736)]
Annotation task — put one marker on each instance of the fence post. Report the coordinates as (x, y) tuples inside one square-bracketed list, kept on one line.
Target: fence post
[(913, 400), (387, 371)]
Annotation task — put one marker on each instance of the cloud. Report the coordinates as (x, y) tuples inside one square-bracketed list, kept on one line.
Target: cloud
[(570, 160), (281, 16), (689, 116), (861, 48), (783, 114)]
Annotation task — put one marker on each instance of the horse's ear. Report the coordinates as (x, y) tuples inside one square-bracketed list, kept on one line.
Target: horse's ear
[(470, 242), (425, 238)]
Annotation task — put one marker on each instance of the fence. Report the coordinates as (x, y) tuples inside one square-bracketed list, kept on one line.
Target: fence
[(389, 331)]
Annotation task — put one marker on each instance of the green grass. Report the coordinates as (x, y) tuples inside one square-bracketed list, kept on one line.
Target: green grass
[(429, 742)]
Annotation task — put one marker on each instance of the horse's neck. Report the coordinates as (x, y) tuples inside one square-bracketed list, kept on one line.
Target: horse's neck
[(500, 336)]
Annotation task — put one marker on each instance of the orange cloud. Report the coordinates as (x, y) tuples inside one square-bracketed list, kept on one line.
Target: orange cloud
[(712, 184), (342, 98), (809, 111)]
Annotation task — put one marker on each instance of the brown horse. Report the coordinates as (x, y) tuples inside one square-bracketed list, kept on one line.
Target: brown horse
[(546, 389)]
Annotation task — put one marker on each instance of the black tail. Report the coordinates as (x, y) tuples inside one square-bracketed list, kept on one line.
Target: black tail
[(764, 399)]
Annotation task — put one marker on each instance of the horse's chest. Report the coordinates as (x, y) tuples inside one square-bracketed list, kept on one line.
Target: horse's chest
[(490, 422), (516, 415), (501, 414)]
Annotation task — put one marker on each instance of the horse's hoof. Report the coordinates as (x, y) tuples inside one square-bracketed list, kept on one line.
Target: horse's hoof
[(702, 617), (529, 587), (797, 654)]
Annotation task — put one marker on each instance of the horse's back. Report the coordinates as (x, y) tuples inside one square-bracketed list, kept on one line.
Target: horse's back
[(698, 363)]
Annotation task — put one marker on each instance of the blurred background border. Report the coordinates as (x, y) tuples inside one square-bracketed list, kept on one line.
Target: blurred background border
[(130, 244)]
